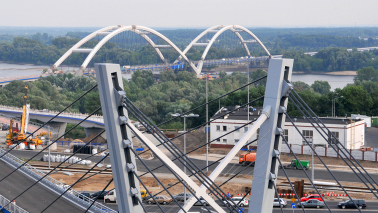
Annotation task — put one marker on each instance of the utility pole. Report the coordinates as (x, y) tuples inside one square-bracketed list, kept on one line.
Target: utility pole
[(312, 161), (207, 127), (248, 98), (184, 154)]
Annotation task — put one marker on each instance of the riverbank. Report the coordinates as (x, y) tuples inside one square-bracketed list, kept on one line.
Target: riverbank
[(345, 73)]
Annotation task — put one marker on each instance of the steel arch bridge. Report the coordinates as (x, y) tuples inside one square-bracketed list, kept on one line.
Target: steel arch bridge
[(112, 31)]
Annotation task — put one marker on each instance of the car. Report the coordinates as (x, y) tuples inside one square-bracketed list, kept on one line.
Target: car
[(312, 203), (180, 197), (84, 195), (201, 202), (349, 204), (160, 199), (99, 195), (277, 203), (311, 196), (236, 201)]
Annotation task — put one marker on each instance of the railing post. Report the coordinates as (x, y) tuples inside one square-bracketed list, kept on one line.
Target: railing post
[(269, 147), (110, 86)]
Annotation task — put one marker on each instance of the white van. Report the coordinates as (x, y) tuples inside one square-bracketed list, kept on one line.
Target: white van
[(110, 197)]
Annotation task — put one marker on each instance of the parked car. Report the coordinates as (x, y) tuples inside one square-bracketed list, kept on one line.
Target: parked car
[(237, 200), (312, 203), (277, 203), (312, 196), (180, 197), (83, 195), (99, 195), (201, 202), (349, 204), (160, 199)]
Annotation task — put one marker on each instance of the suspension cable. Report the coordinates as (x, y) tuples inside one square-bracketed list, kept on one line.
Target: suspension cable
[(47, 174), (72, 185), (52, 143), (321, 159), (94, 200), (304, 170), (330, 143), (174, 150), (50, 120), (355, 160)]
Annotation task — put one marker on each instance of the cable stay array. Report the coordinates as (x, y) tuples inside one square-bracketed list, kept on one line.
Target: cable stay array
[(204, 188)]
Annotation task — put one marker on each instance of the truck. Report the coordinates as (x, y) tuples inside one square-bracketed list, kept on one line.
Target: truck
[(247, 159), (295, 165)]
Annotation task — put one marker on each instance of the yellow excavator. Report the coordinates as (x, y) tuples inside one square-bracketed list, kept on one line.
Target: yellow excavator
[(15, 136)]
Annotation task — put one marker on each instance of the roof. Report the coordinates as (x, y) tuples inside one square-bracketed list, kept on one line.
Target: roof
[(254, 114)]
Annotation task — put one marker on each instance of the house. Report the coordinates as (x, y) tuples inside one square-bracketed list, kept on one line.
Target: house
[(350, 132)]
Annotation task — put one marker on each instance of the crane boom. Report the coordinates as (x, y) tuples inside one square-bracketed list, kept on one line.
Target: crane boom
[(23, 118)]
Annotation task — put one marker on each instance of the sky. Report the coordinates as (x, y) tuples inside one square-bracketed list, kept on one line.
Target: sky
[(189, 13)]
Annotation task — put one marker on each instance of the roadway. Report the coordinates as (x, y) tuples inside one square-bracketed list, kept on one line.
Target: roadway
[(172, 207), (320, 174), (35, 199)]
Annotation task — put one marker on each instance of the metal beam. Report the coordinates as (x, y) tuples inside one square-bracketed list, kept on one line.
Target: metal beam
[(269, 143), (162, 46), (200, 44), (82, 50), (110, 86), (103, 33), (249, 41)]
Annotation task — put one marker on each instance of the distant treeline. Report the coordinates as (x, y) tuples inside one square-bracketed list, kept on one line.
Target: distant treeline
[(332, 56)]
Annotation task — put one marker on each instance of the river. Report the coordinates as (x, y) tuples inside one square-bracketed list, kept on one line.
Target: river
[(336, 81)]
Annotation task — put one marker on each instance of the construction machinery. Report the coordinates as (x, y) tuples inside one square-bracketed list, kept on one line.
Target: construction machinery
[(247, 159), (17, 137)]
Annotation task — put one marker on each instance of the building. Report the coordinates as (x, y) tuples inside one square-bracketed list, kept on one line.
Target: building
[(350, 132)]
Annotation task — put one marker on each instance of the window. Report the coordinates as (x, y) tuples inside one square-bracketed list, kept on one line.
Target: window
[(237, 129), (218, 139), (331, 139), (308, 134), (224, 140), (224, 128), (245, 129), (218, 128), (236, 140), (286, 135)]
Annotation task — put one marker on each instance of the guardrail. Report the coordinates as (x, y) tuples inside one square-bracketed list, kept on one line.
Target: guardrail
[(54, 185), (12, 208), (95, 118)]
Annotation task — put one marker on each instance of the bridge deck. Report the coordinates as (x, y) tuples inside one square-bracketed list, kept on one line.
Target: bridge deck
[(35, 199)]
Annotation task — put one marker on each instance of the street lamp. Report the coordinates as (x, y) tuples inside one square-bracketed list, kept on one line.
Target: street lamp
[(191, 115), (334, 105)]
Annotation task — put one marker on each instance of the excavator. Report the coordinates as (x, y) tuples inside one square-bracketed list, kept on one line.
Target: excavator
[(15, 136)]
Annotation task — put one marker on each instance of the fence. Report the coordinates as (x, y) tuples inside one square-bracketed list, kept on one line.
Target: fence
[(11, 208), (53, 184), (330, 152)]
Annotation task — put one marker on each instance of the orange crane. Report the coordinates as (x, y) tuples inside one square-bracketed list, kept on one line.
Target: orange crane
[(15, 137)]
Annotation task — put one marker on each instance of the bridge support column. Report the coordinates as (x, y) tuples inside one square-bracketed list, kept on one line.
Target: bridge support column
[(59, 127), (269, 145), (110, 87), (94, 130)]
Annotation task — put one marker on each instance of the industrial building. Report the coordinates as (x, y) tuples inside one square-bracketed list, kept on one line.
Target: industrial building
[(350, 132)]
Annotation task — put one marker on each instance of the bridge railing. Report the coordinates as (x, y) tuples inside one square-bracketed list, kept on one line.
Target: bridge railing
[(13, 208), (95, 118), (53, 184)]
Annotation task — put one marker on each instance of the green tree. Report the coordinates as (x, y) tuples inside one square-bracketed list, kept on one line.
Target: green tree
[(321, 87), (367, 74)]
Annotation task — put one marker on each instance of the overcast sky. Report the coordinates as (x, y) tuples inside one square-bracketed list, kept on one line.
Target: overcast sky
[(189, 13)]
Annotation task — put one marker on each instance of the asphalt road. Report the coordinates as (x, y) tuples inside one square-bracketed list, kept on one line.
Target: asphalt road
[(320, 174), (172, 207), (34, 200)]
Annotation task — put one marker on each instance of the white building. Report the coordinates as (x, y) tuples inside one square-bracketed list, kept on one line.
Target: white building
[(351, 133)]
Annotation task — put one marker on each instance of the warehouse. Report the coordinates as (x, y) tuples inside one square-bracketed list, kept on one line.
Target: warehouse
[(350, 132)]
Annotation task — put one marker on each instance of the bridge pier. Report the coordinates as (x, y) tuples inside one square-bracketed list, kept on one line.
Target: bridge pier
[(60, 127), (94, 130)]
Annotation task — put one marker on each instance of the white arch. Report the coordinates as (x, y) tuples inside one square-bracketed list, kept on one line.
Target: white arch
[(219, 32), (118, 29)]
